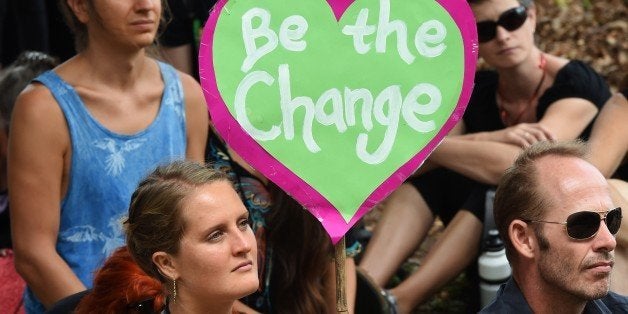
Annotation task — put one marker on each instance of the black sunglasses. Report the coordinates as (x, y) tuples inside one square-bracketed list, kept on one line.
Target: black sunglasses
[(510, 20), (584, 225)]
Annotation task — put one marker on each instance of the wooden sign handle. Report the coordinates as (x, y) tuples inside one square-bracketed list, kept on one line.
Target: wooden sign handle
[(341, 279)]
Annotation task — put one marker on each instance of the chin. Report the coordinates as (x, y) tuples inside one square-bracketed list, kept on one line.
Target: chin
[(253, 283), (508, 62), (145, 44), (248, 285), (144, 40), (596, 290), (598, 294)]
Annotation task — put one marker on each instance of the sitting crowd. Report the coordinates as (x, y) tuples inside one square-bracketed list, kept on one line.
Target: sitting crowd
[(204, 232)]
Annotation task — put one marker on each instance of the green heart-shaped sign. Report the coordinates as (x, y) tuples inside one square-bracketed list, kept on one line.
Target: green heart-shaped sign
[(336, 112)]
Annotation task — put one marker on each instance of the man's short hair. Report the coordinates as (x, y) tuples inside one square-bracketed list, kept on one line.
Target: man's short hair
[(518, 195)]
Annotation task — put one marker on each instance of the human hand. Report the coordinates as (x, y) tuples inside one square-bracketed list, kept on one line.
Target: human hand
[(523, 134)]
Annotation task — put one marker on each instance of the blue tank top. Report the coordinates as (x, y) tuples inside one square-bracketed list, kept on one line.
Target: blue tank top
[(105, 170)]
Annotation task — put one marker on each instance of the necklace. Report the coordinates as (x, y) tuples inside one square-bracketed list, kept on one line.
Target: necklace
[(505, 115)]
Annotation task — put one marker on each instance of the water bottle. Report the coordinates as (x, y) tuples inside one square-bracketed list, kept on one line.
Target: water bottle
[(493, 267)]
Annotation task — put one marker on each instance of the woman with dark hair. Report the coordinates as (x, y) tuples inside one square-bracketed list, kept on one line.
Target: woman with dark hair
[(296, 266), (84, 134), (528, 96)]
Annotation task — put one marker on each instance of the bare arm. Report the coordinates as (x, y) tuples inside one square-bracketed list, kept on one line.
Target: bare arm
[(619, 193), (485, 160), (522, 135), (567, 118), (609, 138), (38, 154), (197, 118)]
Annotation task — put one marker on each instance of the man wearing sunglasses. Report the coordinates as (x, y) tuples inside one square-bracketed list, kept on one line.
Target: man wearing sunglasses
[(555, 213), (525, 97)]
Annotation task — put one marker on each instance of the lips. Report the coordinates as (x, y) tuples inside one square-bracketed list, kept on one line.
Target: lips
[(244, 266), (143, 25), (143, 22), (602, 266), (506, 50)]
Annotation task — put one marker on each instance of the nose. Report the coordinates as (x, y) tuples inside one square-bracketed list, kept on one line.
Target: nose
[(143, 5), (243, 242), (501, 33), (604, 240)]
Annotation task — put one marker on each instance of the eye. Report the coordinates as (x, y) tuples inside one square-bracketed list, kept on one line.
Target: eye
[(216, 236), (243, 223)]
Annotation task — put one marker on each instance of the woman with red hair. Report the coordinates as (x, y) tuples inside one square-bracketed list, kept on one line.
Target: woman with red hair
[(122, 286)]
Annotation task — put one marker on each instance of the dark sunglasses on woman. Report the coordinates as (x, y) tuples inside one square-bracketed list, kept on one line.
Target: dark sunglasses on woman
[(510, 20), (585, 224)]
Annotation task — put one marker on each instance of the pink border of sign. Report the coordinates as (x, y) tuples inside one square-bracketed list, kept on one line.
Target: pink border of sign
[(259, 158)]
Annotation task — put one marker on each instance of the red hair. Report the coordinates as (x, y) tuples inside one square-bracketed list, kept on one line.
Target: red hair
[(119, 285)]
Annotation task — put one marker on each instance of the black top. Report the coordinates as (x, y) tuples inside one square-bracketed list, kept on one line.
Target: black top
[(68, 304), (509, 299), (575, 79), (5, 225)]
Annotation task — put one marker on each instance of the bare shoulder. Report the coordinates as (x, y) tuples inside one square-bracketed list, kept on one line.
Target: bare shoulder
[(197, 118), (192, 91), (36, 99), (36, 109), (555, 63), (189, 83)]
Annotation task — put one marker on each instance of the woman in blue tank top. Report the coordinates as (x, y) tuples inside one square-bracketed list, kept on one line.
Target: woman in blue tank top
[(82, 137)]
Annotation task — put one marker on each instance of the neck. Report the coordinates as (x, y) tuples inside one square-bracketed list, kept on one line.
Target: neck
[(517, 99), (544, 298), (115, 67), (520, 82), (192, 305)]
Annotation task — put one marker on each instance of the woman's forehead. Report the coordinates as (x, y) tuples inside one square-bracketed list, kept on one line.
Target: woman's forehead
[(492, 9)]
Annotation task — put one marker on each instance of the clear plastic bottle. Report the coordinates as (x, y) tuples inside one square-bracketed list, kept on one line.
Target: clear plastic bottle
[(493, 267)]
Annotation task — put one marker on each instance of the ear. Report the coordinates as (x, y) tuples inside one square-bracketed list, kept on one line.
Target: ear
[(165, 265), (522, 238), (80, 9)]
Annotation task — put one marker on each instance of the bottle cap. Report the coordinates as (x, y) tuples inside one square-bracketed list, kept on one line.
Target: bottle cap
[(493, 242)]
